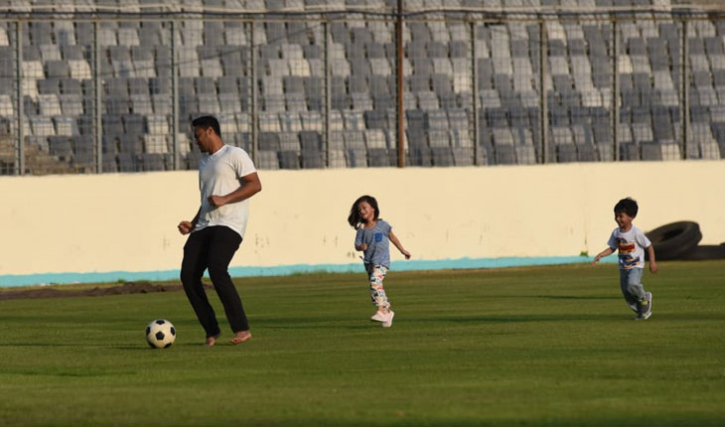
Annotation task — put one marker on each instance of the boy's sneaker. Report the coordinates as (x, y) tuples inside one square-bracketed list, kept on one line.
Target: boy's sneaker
[(645, 307), (378, 317), (649, 303), (389, 319)]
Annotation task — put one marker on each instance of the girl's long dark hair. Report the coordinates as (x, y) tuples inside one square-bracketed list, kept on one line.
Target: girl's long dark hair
[(354, 218)]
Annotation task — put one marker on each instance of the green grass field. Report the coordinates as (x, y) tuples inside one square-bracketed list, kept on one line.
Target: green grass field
[(530, 346)]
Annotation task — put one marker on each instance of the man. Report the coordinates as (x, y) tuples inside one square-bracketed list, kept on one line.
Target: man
[(227, 179)]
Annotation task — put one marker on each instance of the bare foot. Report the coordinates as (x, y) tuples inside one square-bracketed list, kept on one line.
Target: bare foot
[(210, 341), (241, 336)]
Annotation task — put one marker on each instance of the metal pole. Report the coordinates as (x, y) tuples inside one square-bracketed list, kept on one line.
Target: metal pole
[(399, 82), (685, 92), (253, 88), (474, 85), (19, 162), (543, 98), (614, 120), (328, 92), (97, 98), (175, 99)]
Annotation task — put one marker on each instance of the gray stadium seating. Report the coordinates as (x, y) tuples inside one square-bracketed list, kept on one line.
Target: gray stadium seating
[(215, 77)]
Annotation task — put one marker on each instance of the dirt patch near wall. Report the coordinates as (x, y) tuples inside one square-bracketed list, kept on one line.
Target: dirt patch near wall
[(59, 292)]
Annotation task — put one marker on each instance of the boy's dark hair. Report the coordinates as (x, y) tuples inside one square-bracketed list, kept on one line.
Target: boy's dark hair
[(354, 218), (207, 122), (628, 206)]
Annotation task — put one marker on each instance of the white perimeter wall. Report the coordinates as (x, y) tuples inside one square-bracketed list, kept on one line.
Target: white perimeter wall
[(127, 222)]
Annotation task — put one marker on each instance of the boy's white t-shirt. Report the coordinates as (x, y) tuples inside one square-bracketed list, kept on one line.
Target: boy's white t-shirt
[(631, 246), (219, 175)]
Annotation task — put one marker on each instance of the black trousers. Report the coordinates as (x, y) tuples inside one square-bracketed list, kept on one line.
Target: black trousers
[(212, 248)]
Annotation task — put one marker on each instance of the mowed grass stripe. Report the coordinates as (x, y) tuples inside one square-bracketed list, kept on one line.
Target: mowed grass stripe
[(528, 346)]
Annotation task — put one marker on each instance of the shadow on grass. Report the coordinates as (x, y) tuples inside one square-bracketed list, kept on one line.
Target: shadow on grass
[(560, 297), (143, 347), (573, 297), (620, 315), (522, 318), (39, 344), (146, 347), (331, 325)]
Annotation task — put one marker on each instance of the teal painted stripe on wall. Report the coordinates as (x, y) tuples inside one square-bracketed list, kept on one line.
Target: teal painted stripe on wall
[(284, 270)]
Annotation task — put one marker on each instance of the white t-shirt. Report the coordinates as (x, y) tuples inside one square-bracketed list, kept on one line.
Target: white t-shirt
[(631, 246), (219, 175)]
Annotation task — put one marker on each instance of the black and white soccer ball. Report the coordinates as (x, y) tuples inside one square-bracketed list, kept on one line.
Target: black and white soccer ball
[(160, 333)]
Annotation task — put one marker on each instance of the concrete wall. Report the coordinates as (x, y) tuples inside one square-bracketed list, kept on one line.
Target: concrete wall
[(127, 222)]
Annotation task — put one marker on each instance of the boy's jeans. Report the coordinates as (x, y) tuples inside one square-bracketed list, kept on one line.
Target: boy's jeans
[(631, 283)]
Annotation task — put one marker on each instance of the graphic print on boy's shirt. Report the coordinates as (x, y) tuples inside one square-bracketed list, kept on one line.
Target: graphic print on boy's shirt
[(626, 249), (631, 245)]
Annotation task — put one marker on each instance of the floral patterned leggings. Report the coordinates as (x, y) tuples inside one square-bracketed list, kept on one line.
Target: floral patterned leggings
[(376, 274)]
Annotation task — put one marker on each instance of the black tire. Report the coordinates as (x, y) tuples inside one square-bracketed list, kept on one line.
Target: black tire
[(675, 240), (704, 252)]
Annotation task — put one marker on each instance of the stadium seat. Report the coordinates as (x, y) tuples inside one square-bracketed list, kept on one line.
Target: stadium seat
[(629, 151), (419, 155), (505, 155), (442, 156), (379, 157), (651, 151), (269, 141), (310, 159), (268, 159), (462, 156), (289, 160), (152, 162), (60, 146)]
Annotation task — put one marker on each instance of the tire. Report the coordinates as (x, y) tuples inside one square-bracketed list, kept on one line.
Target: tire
[(675, 240), (704, 252)]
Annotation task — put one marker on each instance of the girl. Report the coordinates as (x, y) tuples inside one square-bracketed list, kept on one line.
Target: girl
[(372, 238)]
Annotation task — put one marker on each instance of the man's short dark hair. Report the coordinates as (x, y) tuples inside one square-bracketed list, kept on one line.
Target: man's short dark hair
[(207, 122), (628, 206)]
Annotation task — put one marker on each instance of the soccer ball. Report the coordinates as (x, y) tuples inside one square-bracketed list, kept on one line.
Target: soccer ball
[(160, 333)]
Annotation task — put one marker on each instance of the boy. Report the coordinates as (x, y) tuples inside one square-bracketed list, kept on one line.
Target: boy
[(631, 243)]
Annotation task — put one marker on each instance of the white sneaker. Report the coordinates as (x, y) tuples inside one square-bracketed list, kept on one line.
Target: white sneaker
[(389, 320), (378, 317)]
